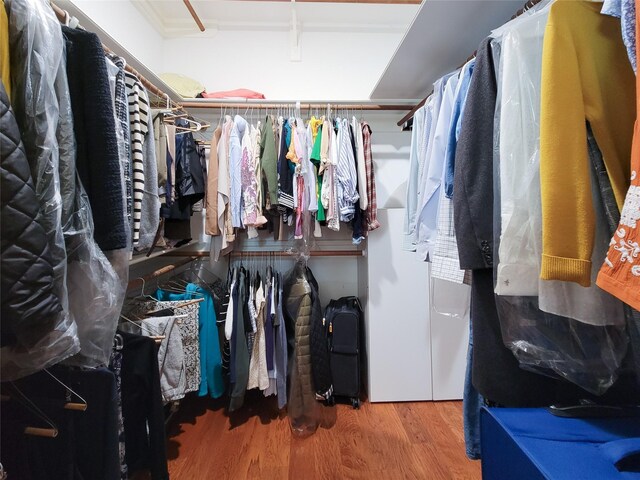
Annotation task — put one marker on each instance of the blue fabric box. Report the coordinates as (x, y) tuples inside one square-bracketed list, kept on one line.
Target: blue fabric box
[(532, 444)]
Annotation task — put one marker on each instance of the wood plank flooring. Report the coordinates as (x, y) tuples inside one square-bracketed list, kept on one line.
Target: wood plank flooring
[(380, 441)]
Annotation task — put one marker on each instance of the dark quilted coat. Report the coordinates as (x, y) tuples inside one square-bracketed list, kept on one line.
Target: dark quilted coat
[(29, 305), (321, 365), (305, 320)]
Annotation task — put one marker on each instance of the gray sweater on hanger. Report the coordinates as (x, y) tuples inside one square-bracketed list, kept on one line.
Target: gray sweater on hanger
[(150, 215)]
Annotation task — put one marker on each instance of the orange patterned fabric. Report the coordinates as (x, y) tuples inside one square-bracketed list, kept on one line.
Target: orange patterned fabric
[(620, 274)]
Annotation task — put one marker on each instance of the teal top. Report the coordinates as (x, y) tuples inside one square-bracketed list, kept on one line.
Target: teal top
[(211, 380)]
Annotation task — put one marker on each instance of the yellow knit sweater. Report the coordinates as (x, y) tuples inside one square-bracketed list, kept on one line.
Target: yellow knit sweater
[(5, 77), (586, 76)]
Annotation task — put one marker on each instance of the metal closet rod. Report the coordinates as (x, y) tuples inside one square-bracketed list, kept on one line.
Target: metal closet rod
[(413, 110), (262, 253), (138, 282), (61, 14), (303, 105)]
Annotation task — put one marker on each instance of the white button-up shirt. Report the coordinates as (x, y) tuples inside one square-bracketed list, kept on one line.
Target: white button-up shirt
[(427, 213)]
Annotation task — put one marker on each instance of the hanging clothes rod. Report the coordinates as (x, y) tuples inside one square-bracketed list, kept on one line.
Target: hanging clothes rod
[(194, 15), (62, 16), (140, 281), (303, 105), (420, 104), (262, 253), (313, 253)]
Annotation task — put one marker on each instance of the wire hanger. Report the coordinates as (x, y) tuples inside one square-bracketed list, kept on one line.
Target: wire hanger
[(174, 286), (81, 407), (142, 295), (51, 432)]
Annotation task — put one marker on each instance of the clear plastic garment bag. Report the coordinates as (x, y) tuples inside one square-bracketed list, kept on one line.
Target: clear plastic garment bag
[(555, 328)]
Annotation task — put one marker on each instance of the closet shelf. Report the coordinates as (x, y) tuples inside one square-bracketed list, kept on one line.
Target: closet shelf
[(140, 281), (411, 113), (183, 250), (440, 37)]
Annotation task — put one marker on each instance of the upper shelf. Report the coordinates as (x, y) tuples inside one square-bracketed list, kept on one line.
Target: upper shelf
[(443, 34)]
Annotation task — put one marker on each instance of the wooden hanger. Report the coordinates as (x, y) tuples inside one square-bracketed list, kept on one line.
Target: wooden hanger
[(190, 302), (22, 399)]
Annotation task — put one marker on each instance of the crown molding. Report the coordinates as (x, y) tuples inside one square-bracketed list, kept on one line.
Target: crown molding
[(184, 27)]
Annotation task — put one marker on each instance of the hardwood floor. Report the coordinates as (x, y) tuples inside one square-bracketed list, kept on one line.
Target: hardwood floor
[(380, 441)]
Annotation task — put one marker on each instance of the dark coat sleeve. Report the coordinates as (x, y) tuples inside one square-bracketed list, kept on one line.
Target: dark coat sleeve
[(320, 361), (473, 179)]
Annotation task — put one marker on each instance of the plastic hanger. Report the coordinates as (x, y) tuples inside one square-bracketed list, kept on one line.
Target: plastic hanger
[(118, 342), (156, 338), (197, 126)]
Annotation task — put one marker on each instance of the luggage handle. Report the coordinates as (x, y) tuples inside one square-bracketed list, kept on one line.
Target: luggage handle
[(352, 301)]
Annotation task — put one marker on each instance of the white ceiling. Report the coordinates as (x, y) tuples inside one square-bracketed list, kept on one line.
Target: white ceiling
[(442, 36), (171, 18)]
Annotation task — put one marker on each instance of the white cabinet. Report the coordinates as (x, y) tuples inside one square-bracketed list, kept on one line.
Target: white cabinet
[(397, 316), (414, 352)]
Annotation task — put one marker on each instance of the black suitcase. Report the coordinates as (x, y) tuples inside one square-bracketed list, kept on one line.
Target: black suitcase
[(344, 324)]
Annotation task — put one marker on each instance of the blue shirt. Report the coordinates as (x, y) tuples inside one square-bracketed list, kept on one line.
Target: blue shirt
[(413, 180), (625, 10), (456, 121)]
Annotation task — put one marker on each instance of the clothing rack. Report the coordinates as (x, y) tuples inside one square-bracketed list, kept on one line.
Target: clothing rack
[(413, 110), (62, 16), (260, 253), (141, 281), (258, 104)]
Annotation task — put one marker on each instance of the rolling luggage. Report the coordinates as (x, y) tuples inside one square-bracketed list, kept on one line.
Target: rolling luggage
[(344, 323)]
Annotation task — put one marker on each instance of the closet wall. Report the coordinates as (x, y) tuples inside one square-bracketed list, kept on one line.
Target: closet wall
[(127, 24), (333, 65)]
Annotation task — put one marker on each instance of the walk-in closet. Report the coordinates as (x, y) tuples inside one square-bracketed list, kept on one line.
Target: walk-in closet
[(319, 239)]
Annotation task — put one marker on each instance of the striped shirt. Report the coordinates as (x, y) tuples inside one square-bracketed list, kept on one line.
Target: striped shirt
[(333, 214), (235, 169), (122, 116), (139, 126), (346, 174)]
